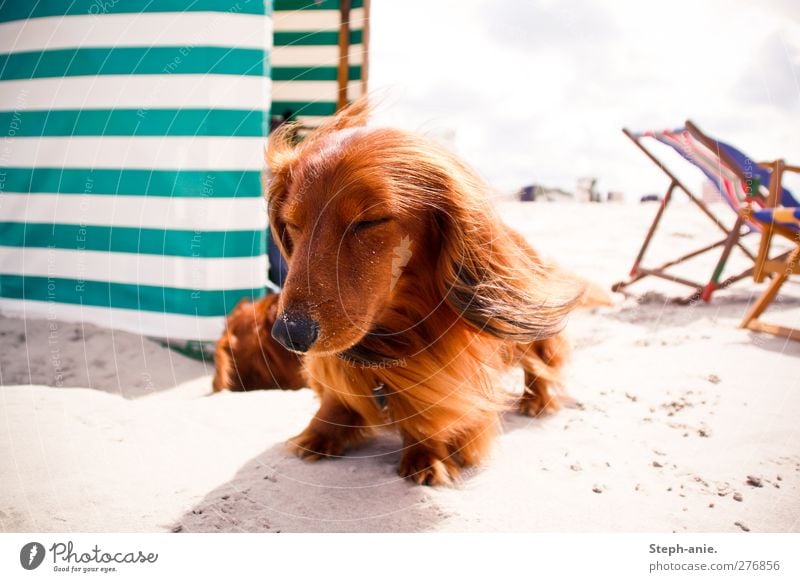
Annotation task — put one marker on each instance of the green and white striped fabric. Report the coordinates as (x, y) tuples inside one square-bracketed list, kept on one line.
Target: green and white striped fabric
[(305, 58), (131, 147)]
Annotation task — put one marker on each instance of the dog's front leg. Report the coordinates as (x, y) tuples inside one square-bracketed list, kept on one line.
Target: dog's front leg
[(334, 429), (428, 462)]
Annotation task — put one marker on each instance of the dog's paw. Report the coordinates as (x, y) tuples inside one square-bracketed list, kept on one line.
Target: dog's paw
[(426, 467), (536, 405), (311, 445)]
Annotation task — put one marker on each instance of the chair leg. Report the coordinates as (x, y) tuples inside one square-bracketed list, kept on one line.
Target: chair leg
[(733, 238), (635, 275), (771, 291)]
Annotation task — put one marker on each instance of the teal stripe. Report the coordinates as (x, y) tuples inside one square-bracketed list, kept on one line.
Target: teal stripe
[(133, 61), (206, 303), (151, 122), (313, 4), (186, 183), (149, 241), (21, 9), (303, 108), (316, 38), (313, 73)]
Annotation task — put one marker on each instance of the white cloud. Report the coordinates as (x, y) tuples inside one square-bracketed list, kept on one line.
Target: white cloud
[(537, 91)]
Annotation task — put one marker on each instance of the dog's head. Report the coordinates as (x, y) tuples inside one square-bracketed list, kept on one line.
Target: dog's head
[(363, 215)]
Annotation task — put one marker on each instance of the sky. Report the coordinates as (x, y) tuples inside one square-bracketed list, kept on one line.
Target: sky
[(537, 91)]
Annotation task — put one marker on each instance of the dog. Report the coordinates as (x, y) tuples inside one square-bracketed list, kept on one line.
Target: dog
[(406, 295), (248, 358)]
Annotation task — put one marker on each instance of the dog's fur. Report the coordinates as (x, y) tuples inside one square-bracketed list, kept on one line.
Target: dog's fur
[(248, 358), (417, 287)]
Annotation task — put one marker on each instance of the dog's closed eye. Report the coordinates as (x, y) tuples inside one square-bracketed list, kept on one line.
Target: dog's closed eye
[(366, 224)]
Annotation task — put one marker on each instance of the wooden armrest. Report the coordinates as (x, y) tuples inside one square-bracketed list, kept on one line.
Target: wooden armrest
[(771, 166)]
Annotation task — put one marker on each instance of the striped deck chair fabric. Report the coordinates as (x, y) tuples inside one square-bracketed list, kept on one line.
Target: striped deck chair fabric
[(306, 58), (726, 179), (132, 143)]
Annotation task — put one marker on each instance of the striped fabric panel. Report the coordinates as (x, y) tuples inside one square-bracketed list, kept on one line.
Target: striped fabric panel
[(158, 324), (42, 8), (203, 273), (290, 5), (305, 58), (724, 178), (175, 60), (152, 241), (123, 296), (159, 122), (132, 182), (130, 179)]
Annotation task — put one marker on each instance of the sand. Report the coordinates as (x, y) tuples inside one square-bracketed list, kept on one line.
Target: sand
[(680, 422)]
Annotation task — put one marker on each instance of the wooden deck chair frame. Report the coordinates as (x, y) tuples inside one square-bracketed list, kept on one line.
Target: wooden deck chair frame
[(732, 237), (780, 269)]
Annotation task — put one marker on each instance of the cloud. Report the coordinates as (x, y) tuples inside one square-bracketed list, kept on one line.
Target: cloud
[(773, 76), (574, 26)]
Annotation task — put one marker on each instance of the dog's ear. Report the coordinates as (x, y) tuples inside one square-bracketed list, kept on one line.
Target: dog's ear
[(490, 276), (281, 154)]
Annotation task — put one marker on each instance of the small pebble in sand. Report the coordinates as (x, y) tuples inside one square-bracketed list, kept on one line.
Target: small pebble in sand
[(631, 397), (598, 488), (657, 464), (713, 378), (576, 467), (754, 481), (741, 526), (638, 486), (738, 496), (711, 505), (177, 529), (704, 432), (779, 478)]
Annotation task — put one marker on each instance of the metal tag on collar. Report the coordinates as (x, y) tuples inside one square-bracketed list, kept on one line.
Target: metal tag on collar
[(380, 394)]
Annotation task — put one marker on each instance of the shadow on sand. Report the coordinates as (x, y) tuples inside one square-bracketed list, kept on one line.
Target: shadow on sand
[(61, 354)]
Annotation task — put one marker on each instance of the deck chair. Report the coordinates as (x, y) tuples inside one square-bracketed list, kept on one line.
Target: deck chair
[(741, 183), (786, 223)]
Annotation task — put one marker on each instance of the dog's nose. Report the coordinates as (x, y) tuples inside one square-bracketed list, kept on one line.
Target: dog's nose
[(295, 331)]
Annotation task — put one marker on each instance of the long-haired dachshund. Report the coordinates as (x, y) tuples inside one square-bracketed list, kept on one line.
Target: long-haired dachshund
[(406, 294)]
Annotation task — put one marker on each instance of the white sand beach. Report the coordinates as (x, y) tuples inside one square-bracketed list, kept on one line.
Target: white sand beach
[(681, 422)]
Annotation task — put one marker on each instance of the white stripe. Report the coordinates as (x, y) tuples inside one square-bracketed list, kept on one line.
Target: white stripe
[(312, 90), (167, 212), (146, 29), (156, 153), (136, 92), (311, 56), (312, 120), (301, 20), (147, 323), (355, 89), (194, 273)]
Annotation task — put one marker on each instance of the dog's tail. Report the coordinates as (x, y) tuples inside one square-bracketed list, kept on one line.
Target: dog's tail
[(594, 294)]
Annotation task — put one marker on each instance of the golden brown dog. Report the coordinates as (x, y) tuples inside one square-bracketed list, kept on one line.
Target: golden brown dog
[(248, 358), (406, 294)]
